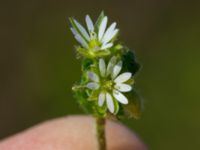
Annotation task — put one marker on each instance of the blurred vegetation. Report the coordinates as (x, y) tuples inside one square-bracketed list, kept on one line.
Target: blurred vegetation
[(38, 65)]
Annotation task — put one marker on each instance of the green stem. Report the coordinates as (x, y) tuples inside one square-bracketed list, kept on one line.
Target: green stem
[(100, 131)]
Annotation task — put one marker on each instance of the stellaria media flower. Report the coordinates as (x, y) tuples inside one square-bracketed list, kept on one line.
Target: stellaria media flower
[(110, 83), (96, 38)]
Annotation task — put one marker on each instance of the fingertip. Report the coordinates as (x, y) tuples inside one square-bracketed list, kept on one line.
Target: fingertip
[(120, 137), (72, 132)]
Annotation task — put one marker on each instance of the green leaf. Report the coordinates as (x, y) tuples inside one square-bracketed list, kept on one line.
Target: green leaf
[(129, 61), (86, 63), (98, 22), (81, 97), (135, 106)]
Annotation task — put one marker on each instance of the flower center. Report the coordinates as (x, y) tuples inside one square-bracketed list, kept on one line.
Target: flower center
[(107, 85)]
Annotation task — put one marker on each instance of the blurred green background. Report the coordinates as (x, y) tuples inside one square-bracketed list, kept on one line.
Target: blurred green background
[(38, 65)]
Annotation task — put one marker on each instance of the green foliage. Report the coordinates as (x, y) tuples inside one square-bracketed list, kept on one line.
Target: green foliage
[(129, 61), (135, 107)]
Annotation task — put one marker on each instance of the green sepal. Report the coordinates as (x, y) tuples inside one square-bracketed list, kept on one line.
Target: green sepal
[(116, 106), (98, 22), (90, 53), (102, 53), (93, 95), (116, 49)]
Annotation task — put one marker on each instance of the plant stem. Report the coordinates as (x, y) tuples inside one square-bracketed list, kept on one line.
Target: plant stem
[(100, 131)]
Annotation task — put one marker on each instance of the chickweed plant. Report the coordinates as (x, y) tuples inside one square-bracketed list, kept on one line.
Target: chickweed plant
[(106, 89)]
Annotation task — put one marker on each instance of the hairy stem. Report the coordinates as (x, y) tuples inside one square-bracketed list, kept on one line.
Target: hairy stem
[(100, 131)]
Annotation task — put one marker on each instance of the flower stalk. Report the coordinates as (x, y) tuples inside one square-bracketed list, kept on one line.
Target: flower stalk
[(100, 131)]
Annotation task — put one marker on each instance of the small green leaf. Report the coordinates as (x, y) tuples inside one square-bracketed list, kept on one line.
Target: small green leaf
[(129, 61), (86, 63), (135, 106), (81, 98)]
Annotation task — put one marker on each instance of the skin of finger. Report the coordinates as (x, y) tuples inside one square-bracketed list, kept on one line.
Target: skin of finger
[(72, 133)]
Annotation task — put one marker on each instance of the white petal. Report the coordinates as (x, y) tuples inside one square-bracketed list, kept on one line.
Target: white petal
[(114, 33), (120, 97), (82, 29), (102, 27), (101, 99), (123, 87), (123, 77), (89, 23), (93, 76), (116, 70), (107, 46), (110, 103), (102, 67), (73, 31), (81, 41), (107, 36), (111, 64), (92, 85)]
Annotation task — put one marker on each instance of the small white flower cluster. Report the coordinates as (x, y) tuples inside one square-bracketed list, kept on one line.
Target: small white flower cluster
[(110, 83), (105, 82), (97, 37)]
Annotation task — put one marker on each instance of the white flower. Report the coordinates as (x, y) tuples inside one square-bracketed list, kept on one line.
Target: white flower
[(110, 83), (97, 37)]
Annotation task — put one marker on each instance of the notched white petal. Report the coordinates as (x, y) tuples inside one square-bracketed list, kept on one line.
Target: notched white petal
[(89, 23), (107, 46), (123, 87), (116, 70), (123, 77), (81, 41), (92, 85), (108, 34), (73, 31), (120, 97), (102, 67), (102, 27), (101, 99), (110, 104), (114, 33), (93, 76), (82, 29), (111, 64)]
